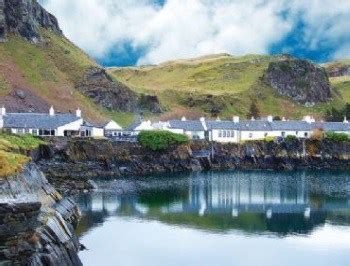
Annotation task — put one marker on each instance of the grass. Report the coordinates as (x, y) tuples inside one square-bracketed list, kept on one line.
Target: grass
[(11, 160), (51, 70), (229, 81)]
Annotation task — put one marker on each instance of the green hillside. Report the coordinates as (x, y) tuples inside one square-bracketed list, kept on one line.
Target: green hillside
[(221, 83), (49, 71)]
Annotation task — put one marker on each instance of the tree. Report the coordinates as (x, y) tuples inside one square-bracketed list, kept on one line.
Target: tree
[(253, 109)]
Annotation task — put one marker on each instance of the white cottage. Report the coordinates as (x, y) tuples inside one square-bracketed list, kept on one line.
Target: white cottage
[(112, 129), (42, 124)]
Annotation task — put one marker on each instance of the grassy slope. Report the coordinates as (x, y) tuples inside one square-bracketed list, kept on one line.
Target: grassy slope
[(231, 80), (11, 160), (50, 71), (342, 84)]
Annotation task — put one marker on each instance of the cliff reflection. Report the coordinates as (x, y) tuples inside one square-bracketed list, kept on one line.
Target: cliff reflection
[(254, 202)]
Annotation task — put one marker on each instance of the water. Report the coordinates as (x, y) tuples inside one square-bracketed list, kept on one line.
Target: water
[(219, 218)]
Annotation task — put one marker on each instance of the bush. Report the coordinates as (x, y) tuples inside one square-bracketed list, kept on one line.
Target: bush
[(291, 138), (160, 140), (337, 137)]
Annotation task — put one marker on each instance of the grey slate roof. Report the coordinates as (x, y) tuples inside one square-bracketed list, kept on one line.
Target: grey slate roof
[(257, 125), (223, 125), (37, 120), (292, 126), (334, 126), (133, 126), (189, 125)]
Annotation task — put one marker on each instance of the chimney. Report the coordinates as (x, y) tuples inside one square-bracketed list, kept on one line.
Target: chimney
[(183, 118), (270, 118), (3, 110), (52, 111), (202, 119), (345, 120), (284, 119), (253, 119), (78, 112), (309, 119), (236, 119), (218, 119)]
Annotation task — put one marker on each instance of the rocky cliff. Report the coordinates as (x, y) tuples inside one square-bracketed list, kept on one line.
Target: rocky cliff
[(36, 223), (25, 17), (304, 82)]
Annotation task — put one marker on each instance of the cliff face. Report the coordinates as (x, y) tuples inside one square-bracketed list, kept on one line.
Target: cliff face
[(25, 17), (36, 223), (300, 80)]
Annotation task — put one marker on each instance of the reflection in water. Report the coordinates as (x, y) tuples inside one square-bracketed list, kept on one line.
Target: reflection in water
[(252, 202)]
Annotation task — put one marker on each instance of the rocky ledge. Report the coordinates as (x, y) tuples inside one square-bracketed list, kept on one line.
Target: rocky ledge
[(36, 223), (73, 164)]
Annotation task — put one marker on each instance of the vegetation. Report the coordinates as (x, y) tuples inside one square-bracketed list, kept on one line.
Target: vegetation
[(51, 71), (338, 115), (337, 137), (11, 160), (291, 138), (253, 109), (161, 140)]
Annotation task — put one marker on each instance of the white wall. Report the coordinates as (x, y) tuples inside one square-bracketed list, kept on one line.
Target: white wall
[(214, 135), (112, 125), (97, 132), (195, 134), (74, 126), (145, 125)]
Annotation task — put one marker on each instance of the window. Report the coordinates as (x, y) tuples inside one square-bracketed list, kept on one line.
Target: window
[(296, 133), (220, 133), (232, 134), (26, 130), (20, 131), (224, 134), (35, 132), (306, 134), (283, 134), (250, 135), (265, 135)]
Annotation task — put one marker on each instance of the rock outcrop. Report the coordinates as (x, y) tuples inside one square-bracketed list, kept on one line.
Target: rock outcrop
[(339, 71), (36, 223), (109, 93), (25, 17), (304, 82)]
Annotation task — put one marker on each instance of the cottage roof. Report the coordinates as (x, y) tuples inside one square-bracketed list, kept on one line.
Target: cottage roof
[(291, 125), (223, 125), (257, 125), (37, 120), (334, 126), (188, 125)]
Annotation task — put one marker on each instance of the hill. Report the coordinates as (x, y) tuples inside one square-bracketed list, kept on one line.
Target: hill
[(40, 67), (225, 85)]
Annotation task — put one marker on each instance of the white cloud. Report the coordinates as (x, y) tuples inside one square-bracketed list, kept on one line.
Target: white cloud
[(188, 28)]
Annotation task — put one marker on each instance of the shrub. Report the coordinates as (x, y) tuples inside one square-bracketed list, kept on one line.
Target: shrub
[(337, 137), (291, 138), (160, 140), (317, 134)]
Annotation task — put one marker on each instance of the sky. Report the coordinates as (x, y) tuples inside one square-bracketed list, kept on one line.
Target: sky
[(143, 32)]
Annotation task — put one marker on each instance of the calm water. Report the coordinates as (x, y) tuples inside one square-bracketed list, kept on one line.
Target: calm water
[(219, 218)]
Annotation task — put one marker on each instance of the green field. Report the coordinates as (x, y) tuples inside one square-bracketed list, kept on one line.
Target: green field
[(220, 81)]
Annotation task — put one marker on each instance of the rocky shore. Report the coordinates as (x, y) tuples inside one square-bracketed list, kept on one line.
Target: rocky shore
[(36, 223), (74, 164)]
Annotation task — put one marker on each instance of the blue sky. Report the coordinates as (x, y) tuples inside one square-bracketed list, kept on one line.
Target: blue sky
[(137, 32)]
